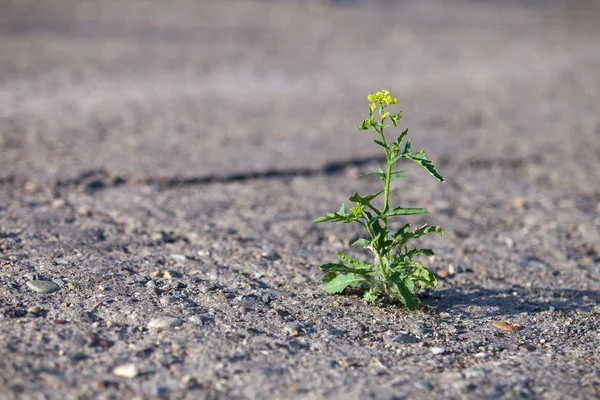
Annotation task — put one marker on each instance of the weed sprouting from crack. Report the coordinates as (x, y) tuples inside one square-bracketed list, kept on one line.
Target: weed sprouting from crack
[(394, 272)]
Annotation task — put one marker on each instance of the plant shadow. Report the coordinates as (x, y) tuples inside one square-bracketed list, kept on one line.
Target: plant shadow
[(516, 300)]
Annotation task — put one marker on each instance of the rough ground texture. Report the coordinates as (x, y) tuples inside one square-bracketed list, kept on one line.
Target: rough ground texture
[(165, 159)]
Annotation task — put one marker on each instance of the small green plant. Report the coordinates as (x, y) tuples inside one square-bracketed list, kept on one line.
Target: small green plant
[(394, 272)]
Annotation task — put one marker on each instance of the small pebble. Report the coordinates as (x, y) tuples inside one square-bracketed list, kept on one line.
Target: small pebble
[(83, 212), (150, 284), (525, 347), (189, 381), (126, 371), (31, 276), (438, 350), (178, 257), (519, 203), (167, 300), (43, 286), (164, 322), (160, 391), (293, 329), (404, 339), (34, 309), (92, 339), (506, 326)]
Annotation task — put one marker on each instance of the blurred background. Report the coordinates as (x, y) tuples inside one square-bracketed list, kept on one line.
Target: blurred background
[(184, 88)]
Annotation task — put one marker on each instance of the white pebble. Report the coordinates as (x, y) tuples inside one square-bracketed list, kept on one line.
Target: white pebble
[(126, 371)]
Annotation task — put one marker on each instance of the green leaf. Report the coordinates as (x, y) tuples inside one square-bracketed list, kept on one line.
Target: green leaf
[(379, 142), (360, 265), (333, 267), (370, 296), (398, 174), (366, 124), (401, 138), (341, 282), (381, 175), (422, 275), (361, 242), (396, 118), (338, 216), (381, 234), (404, 292), (425, 229), (419, 252), (407, 147), (403, 235), (420, 158), (402, 231), (329, 276), (404, 211), (356, 198)]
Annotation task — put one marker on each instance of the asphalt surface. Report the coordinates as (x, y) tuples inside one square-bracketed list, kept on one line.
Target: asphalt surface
[(167, 159)]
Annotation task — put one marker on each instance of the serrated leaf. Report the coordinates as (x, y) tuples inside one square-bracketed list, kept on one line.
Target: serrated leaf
[(404, 292), (358, 264), (422, 275), (366, 124), (341, 282), (361, 242), (419, 252), (338, 216), (402, 231), (425, 229), (356, 198), (402, 235), (420, 158), (407, 147), (396, 118), (379, 142), (400, 138), (333, 267)]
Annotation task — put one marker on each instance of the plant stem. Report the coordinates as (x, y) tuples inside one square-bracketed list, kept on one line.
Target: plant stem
[(386, 204)]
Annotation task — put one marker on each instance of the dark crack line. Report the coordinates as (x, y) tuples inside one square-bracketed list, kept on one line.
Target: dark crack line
[(333, 168), (92, 181)]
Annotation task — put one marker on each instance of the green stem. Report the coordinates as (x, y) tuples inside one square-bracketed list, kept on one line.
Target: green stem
[(366, 225), (388, 179)]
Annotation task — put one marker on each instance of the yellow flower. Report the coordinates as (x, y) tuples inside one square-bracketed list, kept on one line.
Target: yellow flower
[(390, 100), (382, 97), (385, 115), (357, 210), (373, 106)]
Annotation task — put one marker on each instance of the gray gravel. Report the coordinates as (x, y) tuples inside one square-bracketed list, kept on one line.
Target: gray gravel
[(163, 163)]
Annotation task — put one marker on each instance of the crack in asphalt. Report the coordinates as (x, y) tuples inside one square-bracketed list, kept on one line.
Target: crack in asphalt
[(95, 180), (92, 181)]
